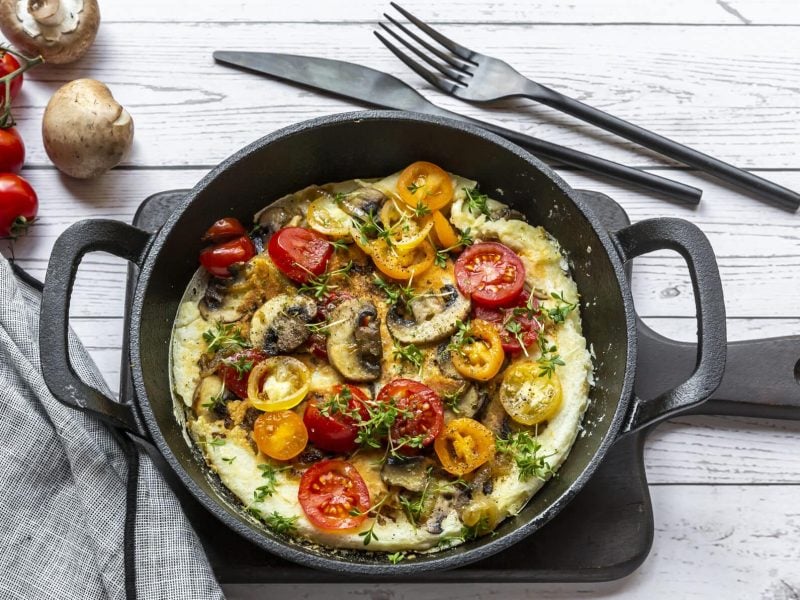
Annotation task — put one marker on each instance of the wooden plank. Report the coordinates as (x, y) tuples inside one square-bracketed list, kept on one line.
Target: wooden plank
[(710, 541), (736, 97), (738, 12)]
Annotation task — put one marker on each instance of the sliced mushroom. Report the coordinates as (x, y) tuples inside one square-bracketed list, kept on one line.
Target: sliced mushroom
[(432, 318), (288, 210), (354, 343), (363, 201), (280, 325), (471, 401), (411, 474), (206, 395), (217, 304)]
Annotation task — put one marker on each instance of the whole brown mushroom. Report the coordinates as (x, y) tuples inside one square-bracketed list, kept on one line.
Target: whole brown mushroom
[(60, 30), (86, 132)]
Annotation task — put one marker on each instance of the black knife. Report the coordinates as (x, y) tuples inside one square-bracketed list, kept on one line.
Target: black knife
[(374, 88)]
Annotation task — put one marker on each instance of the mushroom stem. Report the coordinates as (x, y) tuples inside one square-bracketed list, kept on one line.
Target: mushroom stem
[(46, 12)]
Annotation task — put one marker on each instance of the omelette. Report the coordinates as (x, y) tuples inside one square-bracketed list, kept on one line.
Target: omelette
[(391, 365)]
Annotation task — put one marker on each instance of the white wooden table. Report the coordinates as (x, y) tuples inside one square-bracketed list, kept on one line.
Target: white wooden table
[(722, 76)]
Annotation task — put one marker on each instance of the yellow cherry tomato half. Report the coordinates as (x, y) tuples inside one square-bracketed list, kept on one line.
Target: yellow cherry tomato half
[(481, 355), (280, 435), (323, 215), (406, 231), (425, 183), (402, 265), (529, 397), (278, 383), (463, 446), (445, 234)]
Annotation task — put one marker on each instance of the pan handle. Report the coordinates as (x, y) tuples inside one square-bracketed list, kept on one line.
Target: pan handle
[(97, 235), (686, 239)]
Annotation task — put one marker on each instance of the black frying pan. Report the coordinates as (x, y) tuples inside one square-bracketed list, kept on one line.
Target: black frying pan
[(372, 144)]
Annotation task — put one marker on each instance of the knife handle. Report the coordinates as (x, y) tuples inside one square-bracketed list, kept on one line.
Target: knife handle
[(600, 166)]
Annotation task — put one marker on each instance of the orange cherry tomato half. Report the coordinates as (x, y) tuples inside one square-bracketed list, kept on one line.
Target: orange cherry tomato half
[(334, 496), (224, 230), (445, 234), (464, 445), (481, 356), (490, 273), (425, 183), (280, 435), (218, 259)]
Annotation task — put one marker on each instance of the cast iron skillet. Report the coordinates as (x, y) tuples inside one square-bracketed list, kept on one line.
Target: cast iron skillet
[(372, 144)]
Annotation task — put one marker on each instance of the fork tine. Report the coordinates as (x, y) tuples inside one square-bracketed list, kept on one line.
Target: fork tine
[(444, 70), (455, 48), (435, 80), (457, 64)]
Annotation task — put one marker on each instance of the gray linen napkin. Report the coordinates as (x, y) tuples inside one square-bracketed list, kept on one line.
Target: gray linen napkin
[(64, 481)]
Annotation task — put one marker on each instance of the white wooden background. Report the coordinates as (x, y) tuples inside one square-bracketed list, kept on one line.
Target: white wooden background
[(723, 76)]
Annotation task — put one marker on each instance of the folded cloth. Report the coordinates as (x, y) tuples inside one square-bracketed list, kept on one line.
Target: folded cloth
[(69, 525)]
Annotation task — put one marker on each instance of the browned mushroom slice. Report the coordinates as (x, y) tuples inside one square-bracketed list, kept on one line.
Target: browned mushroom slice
[(354, 342), (412, 474), (431, 318), (280, 326), (290, 210), (363, 202)]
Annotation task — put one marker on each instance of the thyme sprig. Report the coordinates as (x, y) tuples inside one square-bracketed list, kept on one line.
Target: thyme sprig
[(320, 285), (526, 451), (549, 359), (464, 239), (225, 336), (281, 524), (461, 338), (477, 203), (395, 293), (409, 353), (375, 512), (269, 473)]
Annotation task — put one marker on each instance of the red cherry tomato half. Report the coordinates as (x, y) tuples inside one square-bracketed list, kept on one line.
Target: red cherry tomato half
[(235, 370), (421, 415), (330, 491), (490, 273), (501, 317), (18, 204), (9, 64), (218, 259), (336, 431), (299, 253), (224, 230), (12, 150)]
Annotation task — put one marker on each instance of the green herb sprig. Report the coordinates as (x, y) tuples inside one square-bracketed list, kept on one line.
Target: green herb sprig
[(225, 336), (526, 451)]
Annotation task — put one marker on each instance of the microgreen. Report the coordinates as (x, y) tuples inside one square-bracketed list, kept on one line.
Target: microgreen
[(477, 203), (525, 449), (281, 524), (319, 286), (225, 336)]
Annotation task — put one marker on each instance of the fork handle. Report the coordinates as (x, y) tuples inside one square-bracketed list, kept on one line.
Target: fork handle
[(595, 164), (762, 188)]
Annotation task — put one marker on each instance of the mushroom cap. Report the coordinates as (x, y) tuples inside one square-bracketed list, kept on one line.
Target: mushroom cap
[(58, 47), (86, 132)]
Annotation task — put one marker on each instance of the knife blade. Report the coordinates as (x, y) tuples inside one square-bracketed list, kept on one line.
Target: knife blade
[(375, 88)]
